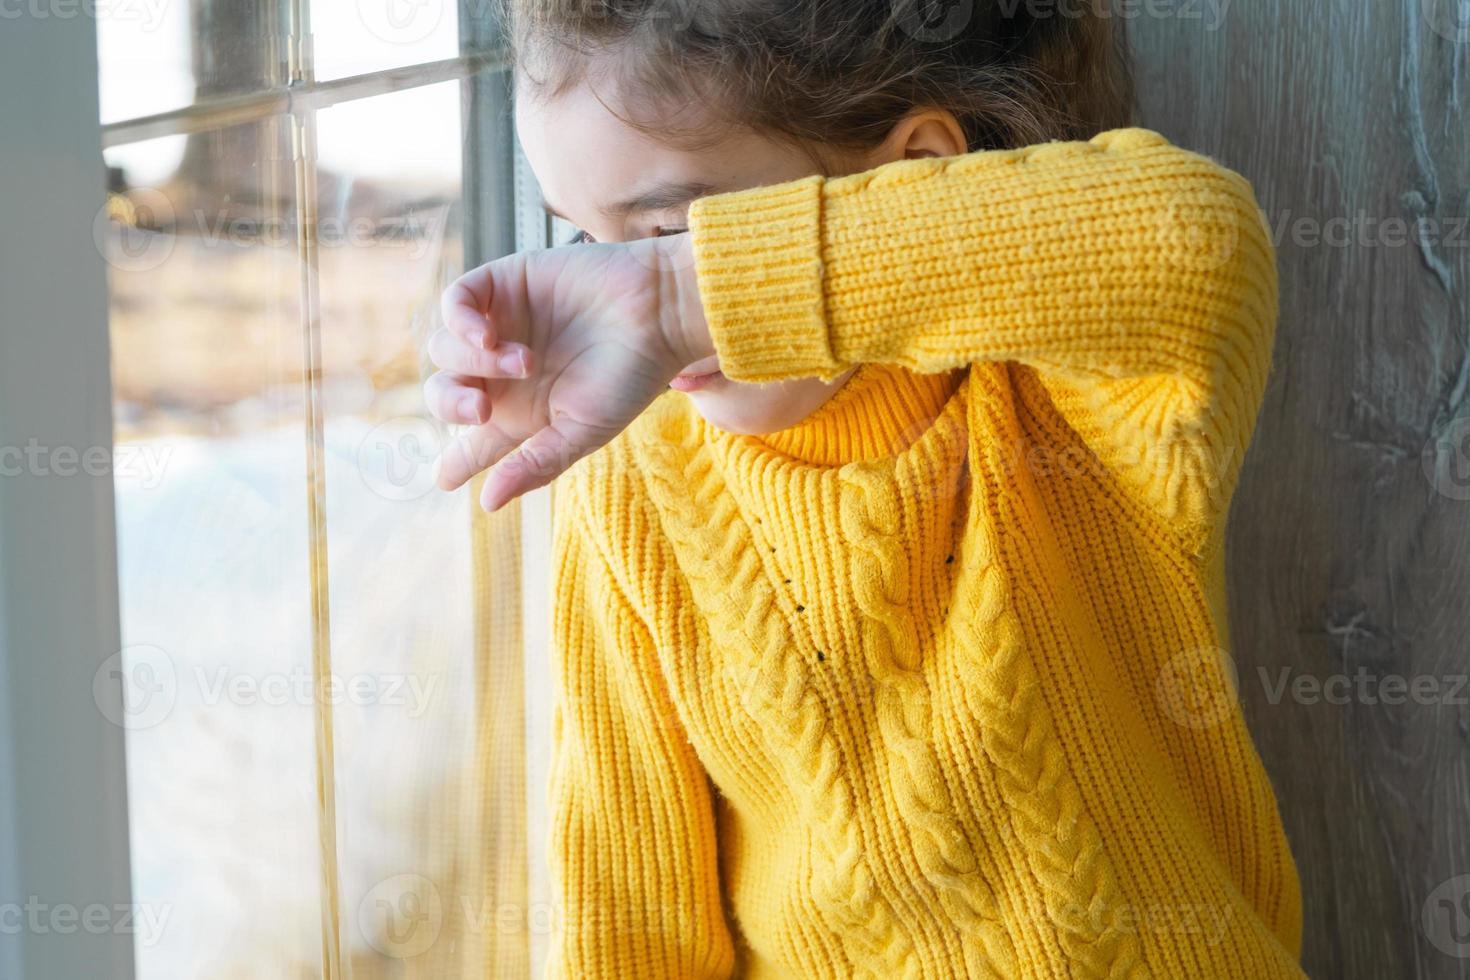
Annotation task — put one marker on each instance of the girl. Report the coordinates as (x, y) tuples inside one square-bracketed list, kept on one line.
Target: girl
[(890, 639)]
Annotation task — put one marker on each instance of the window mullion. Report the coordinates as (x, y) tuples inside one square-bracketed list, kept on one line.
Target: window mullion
[(233, 110), (304, 160)]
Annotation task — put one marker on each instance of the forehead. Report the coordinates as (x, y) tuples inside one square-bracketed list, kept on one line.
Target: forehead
[(578, 132), (586, 157)]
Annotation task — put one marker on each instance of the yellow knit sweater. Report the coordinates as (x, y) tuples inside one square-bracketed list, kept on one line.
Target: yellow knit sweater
[(932, 684)]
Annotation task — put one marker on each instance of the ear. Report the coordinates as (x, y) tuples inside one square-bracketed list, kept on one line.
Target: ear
[(926, 132)]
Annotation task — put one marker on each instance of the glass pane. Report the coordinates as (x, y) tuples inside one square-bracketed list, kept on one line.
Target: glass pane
[(400, 561), (212, 537), (155, 56), (353, 37), (143, 59), (158, 56)]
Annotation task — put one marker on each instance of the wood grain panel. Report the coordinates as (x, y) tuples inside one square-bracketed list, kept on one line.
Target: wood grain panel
[(1349, 554)]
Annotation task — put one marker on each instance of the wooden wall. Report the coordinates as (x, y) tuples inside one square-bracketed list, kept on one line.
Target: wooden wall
[(1350, 536)]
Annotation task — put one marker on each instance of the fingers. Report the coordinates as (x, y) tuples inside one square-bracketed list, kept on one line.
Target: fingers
[(465, 305), (470, 343), (475, 450), (539, 460), (450, 352), (457, 398)]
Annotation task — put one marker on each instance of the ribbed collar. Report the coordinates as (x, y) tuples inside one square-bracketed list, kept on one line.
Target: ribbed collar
[(878, 411)]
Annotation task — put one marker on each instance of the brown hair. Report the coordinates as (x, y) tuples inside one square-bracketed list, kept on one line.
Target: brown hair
[(841, 73)]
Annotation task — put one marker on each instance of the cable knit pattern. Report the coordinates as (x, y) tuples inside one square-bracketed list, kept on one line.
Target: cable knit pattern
[(705, 526), (869, 521), (937, 648), (1047, 811)]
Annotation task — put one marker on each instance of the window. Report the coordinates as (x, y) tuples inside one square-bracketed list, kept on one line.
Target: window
[(323, 658)]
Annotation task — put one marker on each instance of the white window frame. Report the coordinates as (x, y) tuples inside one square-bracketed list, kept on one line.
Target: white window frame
[(63, 793)]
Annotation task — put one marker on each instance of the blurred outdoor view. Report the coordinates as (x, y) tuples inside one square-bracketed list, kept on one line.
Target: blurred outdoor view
[(210, 335)]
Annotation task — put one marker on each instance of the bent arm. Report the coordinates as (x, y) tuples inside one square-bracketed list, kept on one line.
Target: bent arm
[(1135, 277)]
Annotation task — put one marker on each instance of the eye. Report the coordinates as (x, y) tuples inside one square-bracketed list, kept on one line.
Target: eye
[(661, 232), (580, 238)]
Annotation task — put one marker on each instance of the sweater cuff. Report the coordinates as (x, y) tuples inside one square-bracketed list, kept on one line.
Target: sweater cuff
[(758, 259)]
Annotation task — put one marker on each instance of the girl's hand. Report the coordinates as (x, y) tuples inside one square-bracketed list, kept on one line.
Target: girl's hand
[(551, 354)]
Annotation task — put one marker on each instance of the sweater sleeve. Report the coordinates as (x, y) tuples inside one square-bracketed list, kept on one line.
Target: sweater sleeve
[(633, 851), (1135, 278)]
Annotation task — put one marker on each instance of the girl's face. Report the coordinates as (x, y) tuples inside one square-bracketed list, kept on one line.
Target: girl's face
[(616, 183)]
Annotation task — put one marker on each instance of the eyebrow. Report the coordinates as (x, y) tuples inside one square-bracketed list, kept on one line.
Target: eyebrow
[(659, 198)]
